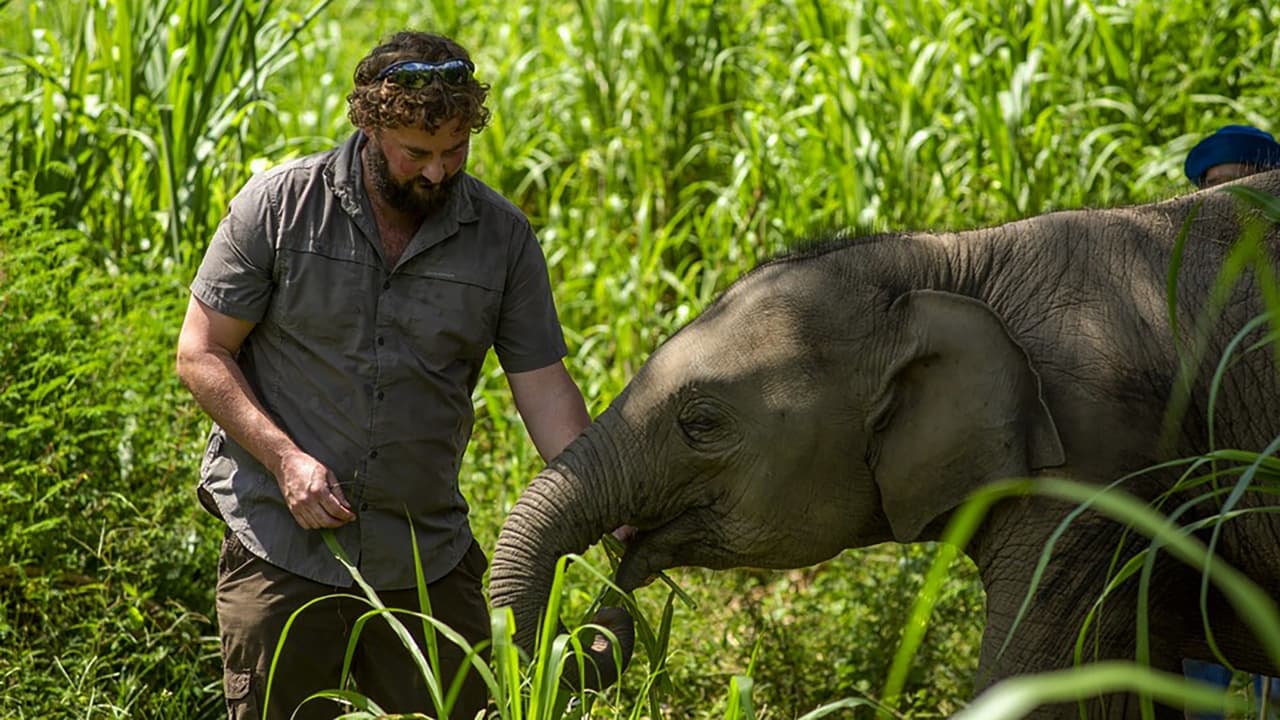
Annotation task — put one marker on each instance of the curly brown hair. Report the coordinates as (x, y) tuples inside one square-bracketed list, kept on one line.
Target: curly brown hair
[(384, 104)]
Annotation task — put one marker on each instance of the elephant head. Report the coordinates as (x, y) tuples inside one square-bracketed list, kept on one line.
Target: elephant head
[(809, 410)]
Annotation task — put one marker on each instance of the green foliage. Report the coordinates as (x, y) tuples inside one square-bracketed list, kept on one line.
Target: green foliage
[(830, 631), (142, 116), (1019, 696), (517, 694), (104, 586)]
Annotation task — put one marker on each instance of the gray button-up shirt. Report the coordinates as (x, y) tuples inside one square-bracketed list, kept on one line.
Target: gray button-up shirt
[(369, 370)]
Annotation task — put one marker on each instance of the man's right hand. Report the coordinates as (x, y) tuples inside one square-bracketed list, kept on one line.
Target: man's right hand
[(312, 493), (207, 348)]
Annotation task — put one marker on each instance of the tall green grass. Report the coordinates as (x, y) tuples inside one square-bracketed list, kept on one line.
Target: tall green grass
[(660, 148), (143, 116), (103, 608)]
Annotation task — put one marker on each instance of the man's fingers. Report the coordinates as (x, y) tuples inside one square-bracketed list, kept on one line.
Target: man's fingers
[(316, 500), (334, 502), (326, 511), (336, 506), (318, 517), (335, 492)]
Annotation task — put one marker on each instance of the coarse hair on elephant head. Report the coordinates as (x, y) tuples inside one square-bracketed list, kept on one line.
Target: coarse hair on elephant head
[(859, 390)]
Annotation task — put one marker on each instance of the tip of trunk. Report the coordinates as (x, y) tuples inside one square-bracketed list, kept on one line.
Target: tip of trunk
[(601, 661)]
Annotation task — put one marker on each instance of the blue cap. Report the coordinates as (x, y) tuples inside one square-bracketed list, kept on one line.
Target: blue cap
[(1232, 144)]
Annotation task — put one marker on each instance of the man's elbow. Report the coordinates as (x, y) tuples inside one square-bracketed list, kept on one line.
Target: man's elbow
[(183, 365), (188, 361)]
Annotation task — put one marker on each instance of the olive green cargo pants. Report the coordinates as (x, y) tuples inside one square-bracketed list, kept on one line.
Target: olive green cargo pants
[(255, 600)]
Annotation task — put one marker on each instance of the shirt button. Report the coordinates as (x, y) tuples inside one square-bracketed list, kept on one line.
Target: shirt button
[(379, 394), (364, 506), (386, 285), (382, 341), (373, 454)]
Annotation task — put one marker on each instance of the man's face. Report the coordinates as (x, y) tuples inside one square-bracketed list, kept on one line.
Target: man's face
[(1225, 172), (412, 170)]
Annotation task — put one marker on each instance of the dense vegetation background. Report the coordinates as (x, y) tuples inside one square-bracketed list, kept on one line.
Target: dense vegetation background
[(661, 148)]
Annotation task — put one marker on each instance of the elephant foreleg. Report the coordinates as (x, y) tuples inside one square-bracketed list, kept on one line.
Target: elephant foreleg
[(1065, 624)]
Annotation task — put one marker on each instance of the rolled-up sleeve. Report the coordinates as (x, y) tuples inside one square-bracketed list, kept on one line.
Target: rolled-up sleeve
[(528, 335), (236, 276)]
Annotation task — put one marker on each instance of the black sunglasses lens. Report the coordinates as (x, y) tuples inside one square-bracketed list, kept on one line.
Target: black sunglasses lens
[(410, 79), (417, 75), (454, 74)]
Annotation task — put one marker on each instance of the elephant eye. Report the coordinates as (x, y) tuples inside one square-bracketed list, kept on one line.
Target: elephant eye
[(705, 424)]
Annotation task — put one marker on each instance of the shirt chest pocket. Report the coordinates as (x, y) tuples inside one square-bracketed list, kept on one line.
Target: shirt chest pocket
[(322, 299), (447, 317)]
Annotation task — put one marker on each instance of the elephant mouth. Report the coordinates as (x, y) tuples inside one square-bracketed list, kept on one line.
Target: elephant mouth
[(690, 538)]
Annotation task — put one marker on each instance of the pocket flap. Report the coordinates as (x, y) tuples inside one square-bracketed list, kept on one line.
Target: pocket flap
[(236, 684)]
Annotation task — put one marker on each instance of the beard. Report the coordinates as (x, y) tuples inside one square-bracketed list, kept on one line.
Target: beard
[(417, 196)]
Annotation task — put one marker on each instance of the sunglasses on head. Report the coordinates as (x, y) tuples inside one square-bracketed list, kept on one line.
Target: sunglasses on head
[(413, 74)]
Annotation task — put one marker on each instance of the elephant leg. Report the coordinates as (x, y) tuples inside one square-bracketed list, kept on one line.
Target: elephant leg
[(1063, 615), (1030, 651)]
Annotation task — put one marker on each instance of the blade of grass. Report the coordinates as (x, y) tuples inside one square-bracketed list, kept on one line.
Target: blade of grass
[(1017, 697)]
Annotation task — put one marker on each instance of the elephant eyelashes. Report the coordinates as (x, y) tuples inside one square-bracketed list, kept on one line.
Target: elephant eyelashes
[(705, 425)]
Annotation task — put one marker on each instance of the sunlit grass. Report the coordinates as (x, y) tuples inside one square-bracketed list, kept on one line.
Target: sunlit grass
[(520, 687)]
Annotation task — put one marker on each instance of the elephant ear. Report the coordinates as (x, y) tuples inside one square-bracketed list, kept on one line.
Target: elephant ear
[(959, 407)]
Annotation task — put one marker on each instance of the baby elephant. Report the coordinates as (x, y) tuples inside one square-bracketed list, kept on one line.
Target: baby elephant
[(859, 390)]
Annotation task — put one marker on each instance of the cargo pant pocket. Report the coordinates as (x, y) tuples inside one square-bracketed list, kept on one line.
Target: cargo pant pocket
[(237, 685)]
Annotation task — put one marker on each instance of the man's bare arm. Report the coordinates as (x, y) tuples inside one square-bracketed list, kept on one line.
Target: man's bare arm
[(552, 408), (551, 405), (207, 347)]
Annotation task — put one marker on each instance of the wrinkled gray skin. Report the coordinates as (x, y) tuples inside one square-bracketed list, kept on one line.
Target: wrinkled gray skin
[(857, 392)]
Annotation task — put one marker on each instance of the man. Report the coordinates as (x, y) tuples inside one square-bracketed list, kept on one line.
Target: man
[(336, 330), (1233, 152)]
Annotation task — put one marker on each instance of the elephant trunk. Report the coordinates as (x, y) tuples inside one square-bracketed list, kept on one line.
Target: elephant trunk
[(564, 510)]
